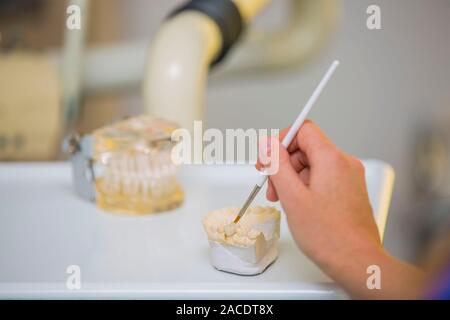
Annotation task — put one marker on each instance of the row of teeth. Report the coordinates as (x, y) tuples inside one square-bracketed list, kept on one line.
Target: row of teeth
[(258, 210), (148, 165), (242, 236), (143, 187), (139, 175)]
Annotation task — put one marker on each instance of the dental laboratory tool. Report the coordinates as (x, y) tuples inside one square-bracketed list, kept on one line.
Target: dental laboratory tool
[(127, 167), (288, 138)]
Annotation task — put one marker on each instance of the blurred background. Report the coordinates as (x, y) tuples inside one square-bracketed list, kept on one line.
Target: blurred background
[(390, 99)]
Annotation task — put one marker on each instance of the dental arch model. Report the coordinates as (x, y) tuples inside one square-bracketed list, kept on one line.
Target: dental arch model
[(126, 167), (246, 248)]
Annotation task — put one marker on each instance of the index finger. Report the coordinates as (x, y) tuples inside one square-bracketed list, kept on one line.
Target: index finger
[(308, 139)]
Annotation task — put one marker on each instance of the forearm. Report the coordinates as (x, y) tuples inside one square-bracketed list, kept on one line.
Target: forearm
[(398, 280)]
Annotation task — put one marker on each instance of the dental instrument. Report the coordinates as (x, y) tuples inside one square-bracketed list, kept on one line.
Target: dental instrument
[(290, 135)]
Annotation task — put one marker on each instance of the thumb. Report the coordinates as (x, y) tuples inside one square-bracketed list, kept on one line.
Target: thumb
[(286, 180)]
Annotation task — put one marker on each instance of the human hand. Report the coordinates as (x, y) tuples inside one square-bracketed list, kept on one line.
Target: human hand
[(323, 193)]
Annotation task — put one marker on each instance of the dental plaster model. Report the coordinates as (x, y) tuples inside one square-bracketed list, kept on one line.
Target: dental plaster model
[(134, 172), (245, 248)]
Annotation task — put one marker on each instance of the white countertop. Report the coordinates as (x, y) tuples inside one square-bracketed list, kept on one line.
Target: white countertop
[(45, 227)]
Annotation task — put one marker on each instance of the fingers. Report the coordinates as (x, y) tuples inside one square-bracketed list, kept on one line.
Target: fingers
[(309, 148), (283, 133), (305, 176), (286, 181), (311, 141), (308, 131), (299, 163), (271, 193), (298, 160), (265, 152)]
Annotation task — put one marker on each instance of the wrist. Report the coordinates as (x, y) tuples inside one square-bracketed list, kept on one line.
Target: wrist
[(369, 272), (352, 252), (351, 266)]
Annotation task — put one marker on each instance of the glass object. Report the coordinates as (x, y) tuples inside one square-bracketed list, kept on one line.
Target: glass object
[(132, 166)]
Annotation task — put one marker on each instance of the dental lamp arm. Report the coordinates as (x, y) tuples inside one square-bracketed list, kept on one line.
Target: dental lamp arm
[(199, 35), (192, 40), (308, 25), (178, 66)]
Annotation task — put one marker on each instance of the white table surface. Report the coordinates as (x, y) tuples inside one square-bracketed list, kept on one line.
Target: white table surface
[(45, 227)]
